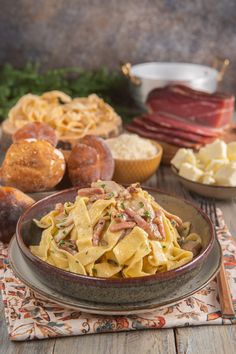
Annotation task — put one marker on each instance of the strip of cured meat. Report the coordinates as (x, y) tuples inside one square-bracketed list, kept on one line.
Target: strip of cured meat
[(134, 128), (176, 122), (196, 138), (212, 110)]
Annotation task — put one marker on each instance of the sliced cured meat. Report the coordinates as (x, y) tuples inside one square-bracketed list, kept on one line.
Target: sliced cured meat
[(172, 121), (161, 137), (195, 138), (213, 110)]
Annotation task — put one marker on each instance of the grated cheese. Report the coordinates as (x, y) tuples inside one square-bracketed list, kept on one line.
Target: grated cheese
[(131, 147)]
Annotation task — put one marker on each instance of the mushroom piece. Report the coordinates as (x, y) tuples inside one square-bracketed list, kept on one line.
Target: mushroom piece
[(192, 246), (184, 229)]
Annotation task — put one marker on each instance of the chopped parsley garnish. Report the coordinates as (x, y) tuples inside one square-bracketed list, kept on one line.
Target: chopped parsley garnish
[(147, 214), (94, 271), (163, 246), (112, 262), (64, 232), (141, 204), (62, 242), (103, 186), (122, 205), (120, 216), (61, 226)]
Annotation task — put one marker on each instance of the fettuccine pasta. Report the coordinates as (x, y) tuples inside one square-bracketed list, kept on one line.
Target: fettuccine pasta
[(69, 117), (110, 231)]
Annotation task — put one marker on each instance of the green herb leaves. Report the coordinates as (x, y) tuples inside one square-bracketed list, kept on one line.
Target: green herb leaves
[(94, 271), (111, 86), (147, 215), (122, 205)]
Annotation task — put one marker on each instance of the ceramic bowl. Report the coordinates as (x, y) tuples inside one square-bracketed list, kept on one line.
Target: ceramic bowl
[(144, 77), (131, 171), (23, 272), (205, 190), (114, 290)]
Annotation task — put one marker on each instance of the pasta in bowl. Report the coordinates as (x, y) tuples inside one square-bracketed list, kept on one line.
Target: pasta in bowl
[(114, 244)]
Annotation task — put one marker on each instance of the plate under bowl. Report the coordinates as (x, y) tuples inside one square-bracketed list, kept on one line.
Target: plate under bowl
[(27, 276), (114, 290), (217, 192)]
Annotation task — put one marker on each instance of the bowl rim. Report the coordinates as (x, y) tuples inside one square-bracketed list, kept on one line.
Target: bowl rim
[(212, 186), (154, 157), (211, 72), (86, 279)]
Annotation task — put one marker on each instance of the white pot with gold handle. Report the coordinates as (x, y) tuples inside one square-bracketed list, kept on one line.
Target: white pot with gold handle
[(145, 77)]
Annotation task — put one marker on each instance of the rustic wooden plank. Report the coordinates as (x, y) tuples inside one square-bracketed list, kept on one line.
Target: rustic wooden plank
[(151, 341), (229, 212), (206, 339)]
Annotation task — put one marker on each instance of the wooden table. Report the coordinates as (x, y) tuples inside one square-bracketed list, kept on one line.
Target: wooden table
[(202, 339)]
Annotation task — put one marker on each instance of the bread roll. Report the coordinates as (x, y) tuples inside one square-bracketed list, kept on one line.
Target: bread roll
[(36, 130), (12, 204), (90, 160), (32, 166)]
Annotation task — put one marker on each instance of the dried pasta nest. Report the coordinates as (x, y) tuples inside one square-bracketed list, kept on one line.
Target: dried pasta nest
[(72, 119)]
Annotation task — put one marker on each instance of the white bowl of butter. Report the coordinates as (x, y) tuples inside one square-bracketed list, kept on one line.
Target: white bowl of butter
[(210, 172)]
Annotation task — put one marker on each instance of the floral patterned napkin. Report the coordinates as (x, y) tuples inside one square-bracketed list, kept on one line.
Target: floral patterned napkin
[(29, 316)]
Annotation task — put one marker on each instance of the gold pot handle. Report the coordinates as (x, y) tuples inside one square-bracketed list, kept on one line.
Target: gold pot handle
[(126, 70), (221, 65)]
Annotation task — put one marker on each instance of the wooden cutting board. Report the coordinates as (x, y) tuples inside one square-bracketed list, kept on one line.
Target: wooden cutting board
[(105, 130)]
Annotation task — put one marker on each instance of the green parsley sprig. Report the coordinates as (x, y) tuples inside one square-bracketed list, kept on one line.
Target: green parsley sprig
[(75, 81)]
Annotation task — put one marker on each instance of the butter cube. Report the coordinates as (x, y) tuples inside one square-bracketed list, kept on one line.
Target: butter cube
[(215, 165), (190, 172), (208, 179), (226, 175), (231, 151), (183, 155), (217, 151)]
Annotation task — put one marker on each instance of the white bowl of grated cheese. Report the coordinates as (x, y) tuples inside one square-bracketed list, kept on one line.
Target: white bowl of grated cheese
[(136, 158)]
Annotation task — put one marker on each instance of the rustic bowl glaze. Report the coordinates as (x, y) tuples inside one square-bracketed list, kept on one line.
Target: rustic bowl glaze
[(114, 290), (205, 190), (23, 272), (131, 171)]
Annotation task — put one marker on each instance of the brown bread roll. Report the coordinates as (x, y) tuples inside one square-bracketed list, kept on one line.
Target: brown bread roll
[(32, 166), (12, 204), (36, 130), (90, 160)]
